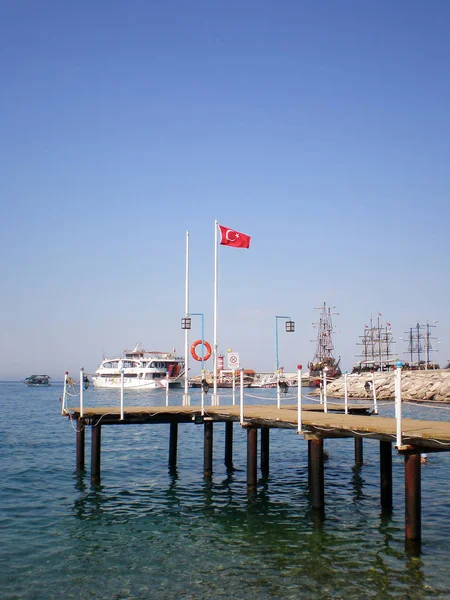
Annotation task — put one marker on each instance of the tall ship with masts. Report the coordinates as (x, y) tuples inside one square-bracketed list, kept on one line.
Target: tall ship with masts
[(377, 348), (324, 357)]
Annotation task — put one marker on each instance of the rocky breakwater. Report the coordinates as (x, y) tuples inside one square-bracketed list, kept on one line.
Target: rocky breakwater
[(431, 386)]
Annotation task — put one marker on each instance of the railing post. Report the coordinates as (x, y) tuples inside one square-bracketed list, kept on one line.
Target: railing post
[(299, 399), (167, 388), (325, 410), (278, 389), (234, 386), (374, 394), (242, 397), (345, 393), (81, 391), (398, 402), (64, 397), (121, 395)]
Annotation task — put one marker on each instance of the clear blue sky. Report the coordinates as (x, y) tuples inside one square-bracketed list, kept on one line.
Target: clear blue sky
[(321, 129)]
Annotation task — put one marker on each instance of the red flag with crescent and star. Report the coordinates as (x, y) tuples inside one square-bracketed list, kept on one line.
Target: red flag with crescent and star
[(231, 237)]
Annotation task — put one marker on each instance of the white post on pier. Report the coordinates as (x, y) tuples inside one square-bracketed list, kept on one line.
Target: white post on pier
[(278, 389), (395, 391), (345, 393), (325, 410), (299, 399), (234, 386), (81, 391), (167, 388), (121, 394), (374, 394), (398, 401), (64, 398), (241, 378), (202, 393), (186, 401)]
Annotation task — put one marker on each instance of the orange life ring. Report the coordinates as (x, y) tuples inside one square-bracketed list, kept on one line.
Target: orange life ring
[(194, 353)]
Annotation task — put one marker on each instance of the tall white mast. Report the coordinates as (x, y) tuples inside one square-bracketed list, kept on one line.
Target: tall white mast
[(216, 295), (186, 400)]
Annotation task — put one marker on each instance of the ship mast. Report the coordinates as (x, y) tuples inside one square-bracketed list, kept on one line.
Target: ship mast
[(324, 342), (377, 346)]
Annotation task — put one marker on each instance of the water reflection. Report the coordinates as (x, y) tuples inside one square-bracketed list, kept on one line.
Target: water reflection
[(357, 483)]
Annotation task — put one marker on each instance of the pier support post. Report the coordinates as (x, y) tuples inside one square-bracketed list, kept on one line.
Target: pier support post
[(317, 475), (358, 451), (173, 441), (208, 449), (95, 452), (412, 496), (252, 441), (386, 476), (80, 444), (309, 464), (229, 444), (265, 431)]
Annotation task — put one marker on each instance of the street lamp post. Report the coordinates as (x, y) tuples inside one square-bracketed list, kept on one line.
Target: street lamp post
[(290, 328), (186, 323)]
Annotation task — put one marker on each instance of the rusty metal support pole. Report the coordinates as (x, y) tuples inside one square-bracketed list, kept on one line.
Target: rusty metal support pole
[(358, 451), (208, 448), (252, 442), (80, 444), (386, 476), (173, 440), (412, 496), (265, 439), (229, 444), (317, 475), (95, 452)]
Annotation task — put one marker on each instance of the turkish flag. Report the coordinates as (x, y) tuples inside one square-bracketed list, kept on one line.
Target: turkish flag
[(230, 237)]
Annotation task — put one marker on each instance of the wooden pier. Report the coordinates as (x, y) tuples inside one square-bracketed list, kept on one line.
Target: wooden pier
[(417, 437)]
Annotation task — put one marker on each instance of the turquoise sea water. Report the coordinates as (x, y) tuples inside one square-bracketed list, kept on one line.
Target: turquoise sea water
[(146, 532)]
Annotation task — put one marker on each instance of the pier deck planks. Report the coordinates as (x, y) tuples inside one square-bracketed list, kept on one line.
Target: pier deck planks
[(430, 435)]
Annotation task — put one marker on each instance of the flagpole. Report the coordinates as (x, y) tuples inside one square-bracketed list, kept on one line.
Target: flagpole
[(186, 399), (215, 399)]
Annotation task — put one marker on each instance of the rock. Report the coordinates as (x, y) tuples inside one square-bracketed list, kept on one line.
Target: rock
[(416, 385)]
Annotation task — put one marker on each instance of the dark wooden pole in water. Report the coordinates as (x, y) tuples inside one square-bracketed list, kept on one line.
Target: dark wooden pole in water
[(80, 444), (208, 449), (317, 474), (265, 450), (95, 452), (252, 442), (309, 463), (173, 445), (412, 496), (386, 476), (229, 444), (358, 451)]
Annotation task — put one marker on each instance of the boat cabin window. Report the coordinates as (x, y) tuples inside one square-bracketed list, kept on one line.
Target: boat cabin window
[(112, 364), (158, 365), (126, 364)]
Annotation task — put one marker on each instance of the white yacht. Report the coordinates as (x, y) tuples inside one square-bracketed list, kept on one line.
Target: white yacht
[(141, 370)]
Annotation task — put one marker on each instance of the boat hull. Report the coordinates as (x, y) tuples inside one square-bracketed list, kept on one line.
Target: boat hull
[(128, 383)]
